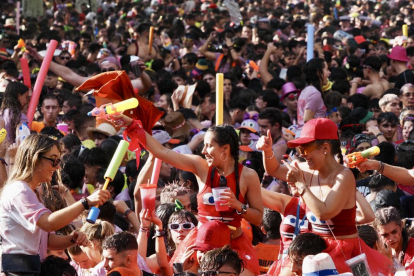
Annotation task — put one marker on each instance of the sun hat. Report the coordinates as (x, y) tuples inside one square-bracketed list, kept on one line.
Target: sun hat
[(398, 53), (316, 129), (163, 137), (104, 128), (176, 125), (288, 88), (212, 235), (320, 264)]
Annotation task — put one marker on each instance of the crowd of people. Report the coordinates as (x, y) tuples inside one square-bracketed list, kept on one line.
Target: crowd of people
[(236, 95)]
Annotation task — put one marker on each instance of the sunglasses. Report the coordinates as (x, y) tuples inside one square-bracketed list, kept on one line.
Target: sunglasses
[(63, 58), (408, 95), (223, 181), (215, 273), (181, 226), (293, 96), (108, 70), (304, 150), (55, 162)]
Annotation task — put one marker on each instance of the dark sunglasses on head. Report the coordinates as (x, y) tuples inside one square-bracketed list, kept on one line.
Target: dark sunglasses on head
[(223, 181), (108, 70), (55, 162), (183, 226)]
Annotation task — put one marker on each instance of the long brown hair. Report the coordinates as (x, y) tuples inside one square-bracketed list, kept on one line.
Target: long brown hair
[(29, 155)]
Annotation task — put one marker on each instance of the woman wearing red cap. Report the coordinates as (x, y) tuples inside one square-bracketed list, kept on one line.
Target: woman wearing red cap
[(219, 169), (328, 190)]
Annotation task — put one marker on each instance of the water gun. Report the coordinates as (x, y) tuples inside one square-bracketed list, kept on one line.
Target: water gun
[(253, 65), (21, 45), (356, 158), (3, 134), (103, 111)]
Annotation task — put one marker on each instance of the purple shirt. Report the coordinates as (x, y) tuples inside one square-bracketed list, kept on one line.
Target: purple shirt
[(11, 133), (310, 98)]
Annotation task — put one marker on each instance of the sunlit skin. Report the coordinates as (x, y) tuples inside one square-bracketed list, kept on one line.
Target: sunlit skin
[(407, 97), (50, 110), (46, 166), (83, 261), (394, 107)]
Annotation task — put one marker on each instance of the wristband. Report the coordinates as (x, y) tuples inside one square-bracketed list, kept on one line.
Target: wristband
[(85, 203), (379, 134), (159, 234), (127, 212), (273, 155)]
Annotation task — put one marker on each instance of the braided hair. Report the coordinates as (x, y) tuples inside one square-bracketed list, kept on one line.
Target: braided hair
[(223, 135)]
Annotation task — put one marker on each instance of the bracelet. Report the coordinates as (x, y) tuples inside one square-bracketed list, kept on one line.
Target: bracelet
[(159, 234), (143, 229), (273, 155), (85, 203), (381, 168), (379, 134), (127, 212), (3, 161)]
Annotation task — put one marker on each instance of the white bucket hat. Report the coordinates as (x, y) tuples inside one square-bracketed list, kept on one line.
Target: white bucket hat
[(321, 264)]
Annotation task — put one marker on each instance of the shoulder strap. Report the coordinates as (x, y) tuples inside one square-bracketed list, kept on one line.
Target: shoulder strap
[(218, 61)]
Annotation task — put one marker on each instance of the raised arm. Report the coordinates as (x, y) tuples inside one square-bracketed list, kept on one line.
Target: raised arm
[(397, 174), (203, 49), (264, 65), (144, 176), (366, 214)]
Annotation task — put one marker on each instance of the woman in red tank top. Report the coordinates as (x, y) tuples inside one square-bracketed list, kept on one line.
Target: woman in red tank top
[(220, 167), (328, 190)]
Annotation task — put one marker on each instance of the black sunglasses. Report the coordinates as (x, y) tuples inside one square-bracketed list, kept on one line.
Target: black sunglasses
[(108, 70), (55, 162), (68, 58), (223, 181)]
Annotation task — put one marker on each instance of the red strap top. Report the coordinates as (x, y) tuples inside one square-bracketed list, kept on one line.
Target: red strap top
[(207, 210)]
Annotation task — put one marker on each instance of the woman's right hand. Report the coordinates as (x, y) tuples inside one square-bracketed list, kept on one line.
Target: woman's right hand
[(145, 218), (121, 119), (369, 165), (99, 197), (265, 142)]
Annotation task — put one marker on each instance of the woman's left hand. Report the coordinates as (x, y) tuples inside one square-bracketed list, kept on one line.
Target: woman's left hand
[(231, 199), (295, 174), (80, 238), (120, 119)]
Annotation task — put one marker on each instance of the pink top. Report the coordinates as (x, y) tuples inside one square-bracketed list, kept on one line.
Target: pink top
[(310, 98), (20, 211)]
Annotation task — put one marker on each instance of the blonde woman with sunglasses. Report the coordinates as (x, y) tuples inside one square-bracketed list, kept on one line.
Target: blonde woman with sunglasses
[(25, 223)]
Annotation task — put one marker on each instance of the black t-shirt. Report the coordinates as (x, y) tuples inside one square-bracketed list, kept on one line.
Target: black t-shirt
[(405, 77), (363, 187)]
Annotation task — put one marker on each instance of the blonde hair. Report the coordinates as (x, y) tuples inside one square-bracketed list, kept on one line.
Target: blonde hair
[(386, 99), (29, 155), (98, 231)]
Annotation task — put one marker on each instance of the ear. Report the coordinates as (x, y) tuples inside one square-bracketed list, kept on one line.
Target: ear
[(262, 228), (213, 106)]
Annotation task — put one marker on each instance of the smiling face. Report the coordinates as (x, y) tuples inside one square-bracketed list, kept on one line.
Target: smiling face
[(390, 234), (212, 150), (45, 166), (313, 154)]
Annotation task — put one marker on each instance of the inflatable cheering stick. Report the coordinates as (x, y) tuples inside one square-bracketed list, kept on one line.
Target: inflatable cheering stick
[(110, 175)]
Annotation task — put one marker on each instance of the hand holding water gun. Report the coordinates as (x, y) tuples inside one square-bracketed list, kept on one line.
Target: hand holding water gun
[(103, 111), (253, 65), (21, 45), (356, 158)]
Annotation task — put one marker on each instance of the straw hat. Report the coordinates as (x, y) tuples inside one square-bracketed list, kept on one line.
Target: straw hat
[(10, 22), (104, 128), (321, 264), (185, 94)]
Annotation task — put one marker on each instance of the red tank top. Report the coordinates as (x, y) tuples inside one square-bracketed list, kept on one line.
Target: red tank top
[(342, 224), (207, 210), (287, 227)]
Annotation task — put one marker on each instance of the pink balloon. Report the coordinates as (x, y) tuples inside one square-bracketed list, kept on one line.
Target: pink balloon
[(40, 81), (25, 72)]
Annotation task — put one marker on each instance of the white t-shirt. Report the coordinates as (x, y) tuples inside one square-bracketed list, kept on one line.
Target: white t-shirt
[(99, 269), (19, 212)]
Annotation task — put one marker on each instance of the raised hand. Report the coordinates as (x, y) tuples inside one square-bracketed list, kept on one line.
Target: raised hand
[(294, 174), (265, 142), (99, 197)]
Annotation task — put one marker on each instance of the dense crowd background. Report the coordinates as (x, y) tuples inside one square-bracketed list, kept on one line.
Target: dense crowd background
[(358, 85)]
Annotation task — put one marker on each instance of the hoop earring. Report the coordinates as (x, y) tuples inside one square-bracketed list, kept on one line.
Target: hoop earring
[(222, 158)]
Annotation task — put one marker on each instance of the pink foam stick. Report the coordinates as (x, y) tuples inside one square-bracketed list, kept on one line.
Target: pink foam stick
[(18, 17), (40, 81), (25, 71), (156, 171)]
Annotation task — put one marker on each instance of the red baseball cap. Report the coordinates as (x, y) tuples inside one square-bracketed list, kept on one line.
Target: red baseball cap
[(212, 235), (316, 129)]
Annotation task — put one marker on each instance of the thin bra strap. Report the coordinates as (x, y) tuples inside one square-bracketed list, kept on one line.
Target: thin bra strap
[(213, 173)]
